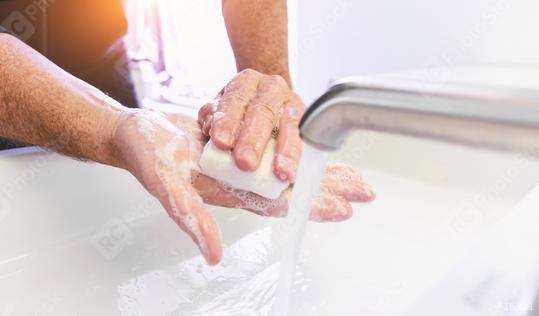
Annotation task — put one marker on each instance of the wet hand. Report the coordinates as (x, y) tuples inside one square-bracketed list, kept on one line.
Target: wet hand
[(162, 151), (243, 116), (341, 185)]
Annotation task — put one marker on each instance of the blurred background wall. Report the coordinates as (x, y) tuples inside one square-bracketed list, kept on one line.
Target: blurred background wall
[(339, 38)]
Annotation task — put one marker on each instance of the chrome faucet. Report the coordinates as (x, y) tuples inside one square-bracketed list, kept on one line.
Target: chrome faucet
[(495, 116), (481, 115)]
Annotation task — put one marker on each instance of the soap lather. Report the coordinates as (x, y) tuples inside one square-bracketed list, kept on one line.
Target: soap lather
[(219, 164)]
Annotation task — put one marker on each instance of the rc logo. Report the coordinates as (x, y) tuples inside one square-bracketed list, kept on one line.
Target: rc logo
[(19, 25)]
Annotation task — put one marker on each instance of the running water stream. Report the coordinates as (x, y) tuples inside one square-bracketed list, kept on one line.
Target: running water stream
[(311, 170)]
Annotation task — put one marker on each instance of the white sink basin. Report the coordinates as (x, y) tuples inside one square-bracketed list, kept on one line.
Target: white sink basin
[(85, 239)]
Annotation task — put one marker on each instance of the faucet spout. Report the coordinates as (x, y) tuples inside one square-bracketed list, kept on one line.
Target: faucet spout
[(475, 115)]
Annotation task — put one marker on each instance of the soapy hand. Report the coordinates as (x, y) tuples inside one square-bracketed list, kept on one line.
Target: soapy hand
[(242, 117), (340, 186), (162, 151)]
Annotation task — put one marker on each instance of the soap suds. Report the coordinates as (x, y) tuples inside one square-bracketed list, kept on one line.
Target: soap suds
[(146, 128), (192, 224), (157, 118), (248, 200), (167, 157), (340, 209)]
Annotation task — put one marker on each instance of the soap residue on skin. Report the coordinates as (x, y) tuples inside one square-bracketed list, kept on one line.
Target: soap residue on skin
[(331, 202), (146, 128), (310, 174), (192, 225), (155, 118), (166, 161), (167, 156), (343, 178), (248, 200), (286, 163)]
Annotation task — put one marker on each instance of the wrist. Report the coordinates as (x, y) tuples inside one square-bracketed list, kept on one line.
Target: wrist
[(112, 155), (113, 118), (272, 69)]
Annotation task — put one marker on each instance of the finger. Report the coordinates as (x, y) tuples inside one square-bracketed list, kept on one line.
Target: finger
[(232, 103), (345, 181), (190, 214), (288, 151), (260, 118), (185, 207), (326, 208), (205, 111), (206, 126), (208, 109), (330, 208), (217, 193)]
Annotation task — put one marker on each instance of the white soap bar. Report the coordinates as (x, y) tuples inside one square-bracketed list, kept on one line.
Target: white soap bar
[(219, 164)]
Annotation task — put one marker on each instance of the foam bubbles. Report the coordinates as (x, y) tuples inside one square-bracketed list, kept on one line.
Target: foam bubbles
[(251, 201), (192, 224)]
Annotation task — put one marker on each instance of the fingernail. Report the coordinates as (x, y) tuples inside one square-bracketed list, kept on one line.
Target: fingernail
[(286, 168), (282, 176), (285, 175), (223, 136)]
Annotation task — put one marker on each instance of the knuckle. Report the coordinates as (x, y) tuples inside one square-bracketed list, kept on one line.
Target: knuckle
[(293, 122), (235, 98), (293, 114), (296, 101), (249, 72), (277, 80), (264, 110), (206, 109), (201, 112)]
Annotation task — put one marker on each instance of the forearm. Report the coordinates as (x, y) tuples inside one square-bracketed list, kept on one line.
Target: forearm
[(258, 33), (43, 105)]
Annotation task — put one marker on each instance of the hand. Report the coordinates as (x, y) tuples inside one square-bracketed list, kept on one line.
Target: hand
[(341, 185), (162, 155), (162, 151), (241, 118)]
